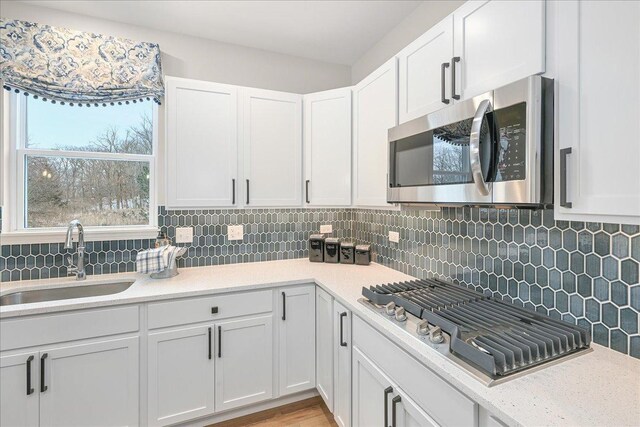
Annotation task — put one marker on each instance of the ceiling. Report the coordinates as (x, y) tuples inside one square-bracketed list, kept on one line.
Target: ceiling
[(332, 31)]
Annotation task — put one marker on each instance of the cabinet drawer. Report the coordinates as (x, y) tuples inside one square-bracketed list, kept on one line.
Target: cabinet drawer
[(201, 309), (47, 329), (440, 400)]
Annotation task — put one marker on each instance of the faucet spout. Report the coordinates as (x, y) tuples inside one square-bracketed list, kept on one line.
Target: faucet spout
[(68, 243), (78, 268)]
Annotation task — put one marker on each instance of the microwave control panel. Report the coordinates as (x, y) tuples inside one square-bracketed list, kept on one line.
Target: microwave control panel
[(512, 142)]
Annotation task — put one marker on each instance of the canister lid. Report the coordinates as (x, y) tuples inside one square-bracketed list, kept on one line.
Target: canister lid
[(363, 248), (334, 240), (347, 245), (316, 237)]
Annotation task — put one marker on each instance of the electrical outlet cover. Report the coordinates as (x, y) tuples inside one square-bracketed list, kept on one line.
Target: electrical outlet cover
[(326, 229), (184, 234), (235, 232), (394, 237)]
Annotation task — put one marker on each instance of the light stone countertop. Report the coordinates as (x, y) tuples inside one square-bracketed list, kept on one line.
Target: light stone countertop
[(597, 388)]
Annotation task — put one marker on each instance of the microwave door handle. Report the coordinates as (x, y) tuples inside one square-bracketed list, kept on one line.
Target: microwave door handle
[(474, 147)]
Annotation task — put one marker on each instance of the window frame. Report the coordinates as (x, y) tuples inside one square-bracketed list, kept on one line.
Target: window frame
[(15, 153)]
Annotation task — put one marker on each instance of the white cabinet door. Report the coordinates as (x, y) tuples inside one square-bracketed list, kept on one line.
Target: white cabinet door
[(202, 144), (90, 384), (272, 138), (406, 413), (19, 390), (244, 362), (498, 42), (375, 111), (342, 364), (297, 358), (327, 142), (324, 346), (372, 393), (598, 74), (424, 72), (180, 375)]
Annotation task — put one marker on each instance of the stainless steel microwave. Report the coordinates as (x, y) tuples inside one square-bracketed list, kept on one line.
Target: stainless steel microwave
[(493, 149)]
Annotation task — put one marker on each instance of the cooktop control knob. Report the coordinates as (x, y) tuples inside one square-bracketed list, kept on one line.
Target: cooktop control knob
[(422, 328), (400, 314), (390, 308), (435, 335)]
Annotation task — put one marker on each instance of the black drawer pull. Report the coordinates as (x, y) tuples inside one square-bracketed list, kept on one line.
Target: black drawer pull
[(342, 316), (43, 386), (209, 332), (29, 388), (214, 310), (453, 77), (443, 96), (247, 192), (284, 306), (219, 341), (233, 191), (395, 401), (563, 178), (307, 191), (386, 404)]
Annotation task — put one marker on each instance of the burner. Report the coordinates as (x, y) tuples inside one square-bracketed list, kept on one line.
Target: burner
[(497, 337)]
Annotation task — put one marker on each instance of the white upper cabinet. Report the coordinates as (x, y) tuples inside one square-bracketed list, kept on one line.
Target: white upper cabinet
[(425, 72), (375, 111), (201, 144), (272, 140), (598, 111), (497, 42), (327, 146)]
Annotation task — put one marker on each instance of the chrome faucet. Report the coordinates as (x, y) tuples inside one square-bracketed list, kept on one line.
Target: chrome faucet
[(78, 267)]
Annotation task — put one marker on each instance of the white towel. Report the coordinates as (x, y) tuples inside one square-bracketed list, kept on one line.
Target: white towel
[(153, 260)]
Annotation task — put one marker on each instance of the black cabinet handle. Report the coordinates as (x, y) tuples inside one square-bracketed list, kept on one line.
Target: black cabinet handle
[(214, 310), (453, 77), (284, 306), (307, 191), (386, 404), (219, 341), (29, 388), (443, 98), (395, 401), (563, 178), (43, 386), (233, 191), (247, 192), (209, 343), (342, 316)]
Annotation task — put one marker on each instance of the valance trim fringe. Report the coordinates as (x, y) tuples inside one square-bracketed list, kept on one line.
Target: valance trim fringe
[(77, 68)]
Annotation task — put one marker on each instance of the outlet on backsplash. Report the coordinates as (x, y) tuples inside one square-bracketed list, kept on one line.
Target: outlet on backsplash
[(235, 232), (184, 234), (394, 237), (326, 229)]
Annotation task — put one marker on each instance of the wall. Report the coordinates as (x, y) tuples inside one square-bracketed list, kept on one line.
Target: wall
[(414, 25), (198, 58), (584, 273)]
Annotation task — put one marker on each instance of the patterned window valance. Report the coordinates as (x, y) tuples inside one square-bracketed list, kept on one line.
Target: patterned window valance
[(75, 67)]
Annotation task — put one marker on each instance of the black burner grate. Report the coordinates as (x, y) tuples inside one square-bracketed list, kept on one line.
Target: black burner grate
[(498, 337)]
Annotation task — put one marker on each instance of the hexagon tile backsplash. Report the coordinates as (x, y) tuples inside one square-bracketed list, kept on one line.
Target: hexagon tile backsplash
[(584, 273)]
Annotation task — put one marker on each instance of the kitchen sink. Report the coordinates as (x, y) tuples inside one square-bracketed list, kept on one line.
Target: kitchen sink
[(55, 294)]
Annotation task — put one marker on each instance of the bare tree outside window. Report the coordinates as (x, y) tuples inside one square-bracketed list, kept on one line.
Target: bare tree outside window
[(100, 175)]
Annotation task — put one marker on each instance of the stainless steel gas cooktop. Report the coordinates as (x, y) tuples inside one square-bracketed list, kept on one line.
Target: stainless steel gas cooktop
[(492, 339)]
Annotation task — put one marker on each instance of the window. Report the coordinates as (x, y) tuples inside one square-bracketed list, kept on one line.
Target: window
[(94, 164)]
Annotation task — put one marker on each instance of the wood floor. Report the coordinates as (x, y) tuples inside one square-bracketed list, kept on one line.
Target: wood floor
[(306, 413)]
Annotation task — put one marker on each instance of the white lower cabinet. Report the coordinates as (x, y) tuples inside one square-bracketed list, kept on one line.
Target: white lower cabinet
[(324, 346), (180, 380), (244, 362), (341, 364), (378, 400), (19, 392), (73, 384), (90, 384), (296, 323)]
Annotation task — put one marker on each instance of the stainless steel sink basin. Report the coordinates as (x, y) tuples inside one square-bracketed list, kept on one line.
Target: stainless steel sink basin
[(55, 294)]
